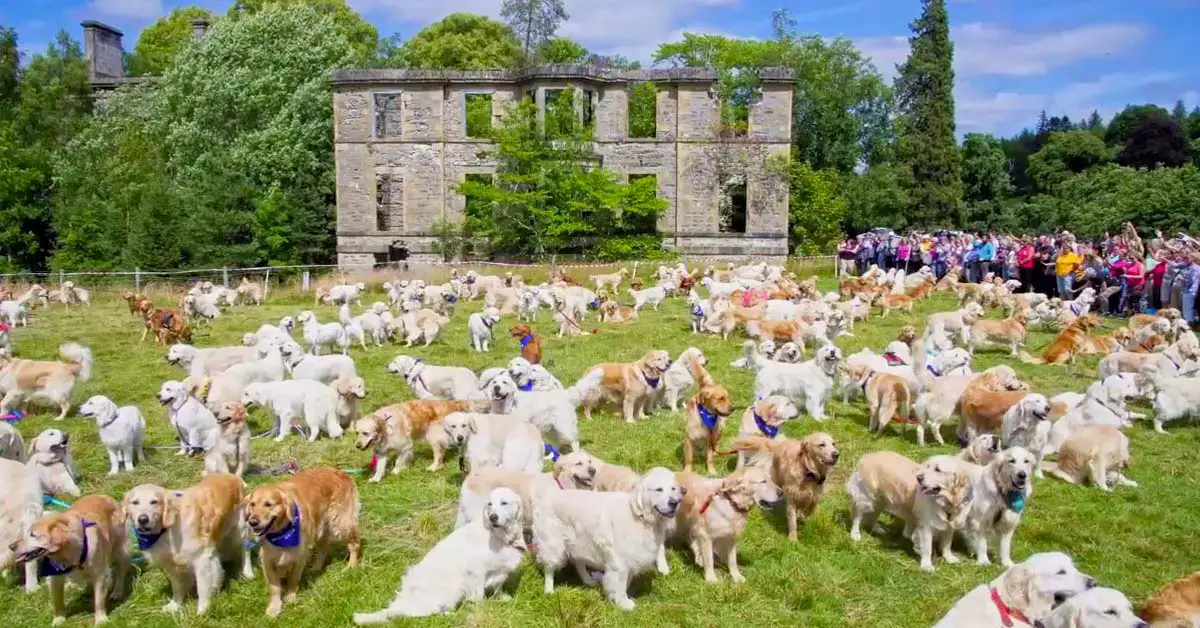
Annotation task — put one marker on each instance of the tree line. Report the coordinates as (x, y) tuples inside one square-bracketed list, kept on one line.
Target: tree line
[(225, 157)]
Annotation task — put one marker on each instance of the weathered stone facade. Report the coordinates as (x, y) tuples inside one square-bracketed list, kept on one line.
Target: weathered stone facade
[(401, 147)]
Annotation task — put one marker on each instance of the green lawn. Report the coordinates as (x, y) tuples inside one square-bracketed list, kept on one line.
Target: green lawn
[(1133, 539)]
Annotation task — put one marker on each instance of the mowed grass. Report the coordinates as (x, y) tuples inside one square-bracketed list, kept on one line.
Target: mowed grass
[(1133, 539)]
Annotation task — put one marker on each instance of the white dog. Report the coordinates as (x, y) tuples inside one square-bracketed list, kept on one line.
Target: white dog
[(1096, 608), (619, 534), (650, 296), (1025, 425), (479, 325), (495, 440), (677, 379), (435, 382), (322, 368), (50, 457), (1027, 593), (1001, 490), (121, 430), (475, 559), (1174, 397), (12, 446), (196, 425), (20, 507), (209, 362), (810, 382), (552, 412), (318, 335), (292, 399)]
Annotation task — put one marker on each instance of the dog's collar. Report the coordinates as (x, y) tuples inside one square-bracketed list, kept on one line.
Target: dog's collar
[(487, 322), (553, 454), (528, 338), (48, 567), (414, 377), (867, 379), (1173, 362), (1075, 309), (1007, 614), (697, 311), (708, 502), (708, 417), (893, 359), (819, 479), (116, 415), (288, 537), (936, 373), (526, 387), (651, 382), (768, 430), (146, 540)]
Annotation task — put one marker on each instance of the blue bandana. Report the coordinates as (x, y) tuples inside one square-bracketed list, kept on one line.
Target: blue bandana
[(47, 567), (289, 536), (526, 387), (697, 311), (452, 298), (595, 304), (146, 541), (708, 417), (525, 341), (551, 451), (653, 383), (1015, 500), (770, 431)]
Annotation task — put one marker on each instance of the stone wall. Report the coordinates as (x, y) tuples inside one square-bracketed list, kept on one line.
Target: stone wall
[(419, 151)]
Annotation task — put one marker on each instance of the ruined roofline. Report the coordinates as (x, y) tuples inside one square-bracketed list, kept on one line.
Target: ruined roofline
[(544, 72)]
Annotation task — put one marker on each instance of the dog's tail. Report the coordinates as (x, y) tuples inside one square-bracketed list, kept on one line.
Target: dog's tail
[(586, 384), (750, 444), (1029, 359), (80, 356)]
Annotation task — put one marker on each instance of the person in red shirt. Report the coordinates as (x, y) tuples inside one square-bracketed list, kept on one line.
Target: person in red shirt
[(1025, 256)]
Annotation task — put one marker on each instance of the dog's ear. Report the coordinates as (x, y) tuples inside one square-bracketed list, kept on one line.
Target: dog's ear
[(473, 425), (170, 506), (639, 500), (769, 413)]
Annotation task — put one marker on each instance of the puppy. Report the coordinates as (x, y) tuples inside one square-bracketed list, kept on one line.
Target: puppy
[(50, 458), (706, 413), (1096, 452), (628, 384), (479, 326), (619, 534), (295, 521), (933, 500), (44, 382), (764, 418), (231, 451), (121, 430), (475, 559), (189, 533), (85, 544), (1026, 593), (1179, 600), (713, 515), (531, 344), (799, 467)]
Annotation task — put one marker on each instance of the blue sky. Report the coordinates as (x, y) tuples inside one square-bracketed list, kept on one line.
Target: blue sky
[(1013, 58)]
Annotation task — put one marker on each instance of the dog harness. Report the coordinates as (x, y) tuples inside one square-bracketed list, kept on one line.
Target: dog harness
[(1075, 309), (1007, 615), (288, 537), (595, 304), (768, 430), (893, 359), (47, 567), (553, 454), (147, 540), (708, 502), (697, 311), (867, 380), (819, 479), (707, 417), (417, 379), (525, 341)]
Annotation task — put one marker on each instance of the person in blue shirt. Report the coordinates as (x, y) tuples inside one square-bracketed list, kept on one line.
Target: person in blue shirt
[(866, 253), (987, 254)]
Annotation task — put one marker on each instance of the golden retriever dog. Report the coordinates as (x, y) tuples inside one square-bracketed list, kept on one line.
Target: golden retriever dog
[(888, 395), (779, 331), (886, 302), (614, 478), (44, 382), (706, 412), (1096, 452), (189, 533), (922, 290), (713, 515), (1178, 602), (574, 471), (1104, 345), (1011, 331), (984, 401), (933, 500), (613, 312), (799, 467), (85, 544), (414, 420), (231, 454), (630, 384), (764, 418), (948, 282), (295, 522), (1150, 338), (1138, 321), (1068, 344)]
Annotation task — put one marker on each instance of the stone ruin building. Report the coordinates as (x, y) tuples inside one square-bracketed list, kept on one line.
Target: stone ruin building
[(402, 144)]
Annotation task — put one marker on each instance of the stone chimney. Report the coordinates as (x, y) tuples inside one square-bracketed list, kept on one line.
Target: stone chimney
[(199, 27), (102, 50)]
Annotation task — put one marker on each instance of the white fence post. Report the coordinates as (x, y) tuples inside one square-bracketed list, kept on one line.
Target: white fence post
[(137, 280), (225, 276), (266, 284), (304, 279), (62, 278)]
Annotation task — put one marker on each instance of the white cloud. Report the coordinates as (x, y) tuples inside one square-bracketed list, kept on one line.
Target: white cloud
[(126, 9), (989, 50), (633, 28)]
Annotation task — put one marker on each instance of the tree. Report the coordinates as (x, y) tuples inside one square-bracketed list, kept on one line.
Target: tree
[(643, 110), (878, 198), (816, 208), (1103, 198), (361, 34), (550, 197), (925, 100), (461, 41), (534, 21), (162, 40), (1094, 123), (985, 169), (1066, 153), (1180, 114), (562, 50), (1123, 123), (1157, 140), (10, 69)]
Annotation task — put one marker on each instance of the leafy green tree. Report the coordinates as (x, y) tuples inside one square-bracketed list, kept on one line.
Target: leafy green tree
[(816, 208), (1193, 125), (1157, 140), (878, 198), (534, 21), (10, 69), (562, 50), (985, 169), (158, 44), (1103, 198), (925, 100), (550, 197), (1094, 123), (361, 34), (1180, 114), (643, 110), (461, 41), (1123, 123), (735, 61), (1065, 154)]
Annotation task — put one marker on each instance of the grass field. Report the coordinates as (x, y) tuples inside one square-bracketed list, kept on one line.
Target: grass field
[(1133, 539)]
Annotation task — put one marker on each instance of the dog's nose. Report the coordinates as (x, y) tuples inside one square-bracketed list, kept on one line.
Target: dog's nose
[(458, 439), (836, 454), (253, 520), (921, 478), (493, 517), (143, 520), (672, 502), (1021, 475), (1090, 583), (592, 471)]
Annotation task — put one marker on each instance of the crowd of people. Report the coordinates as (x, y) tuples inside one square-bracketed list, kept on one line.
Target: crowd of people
[(1130, 276)]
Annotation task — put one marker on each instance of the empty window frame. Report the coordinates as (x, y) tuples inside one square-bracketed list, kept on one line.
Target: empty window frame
[(733, 209), (642, 110), (387, 109), (478, 115)]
